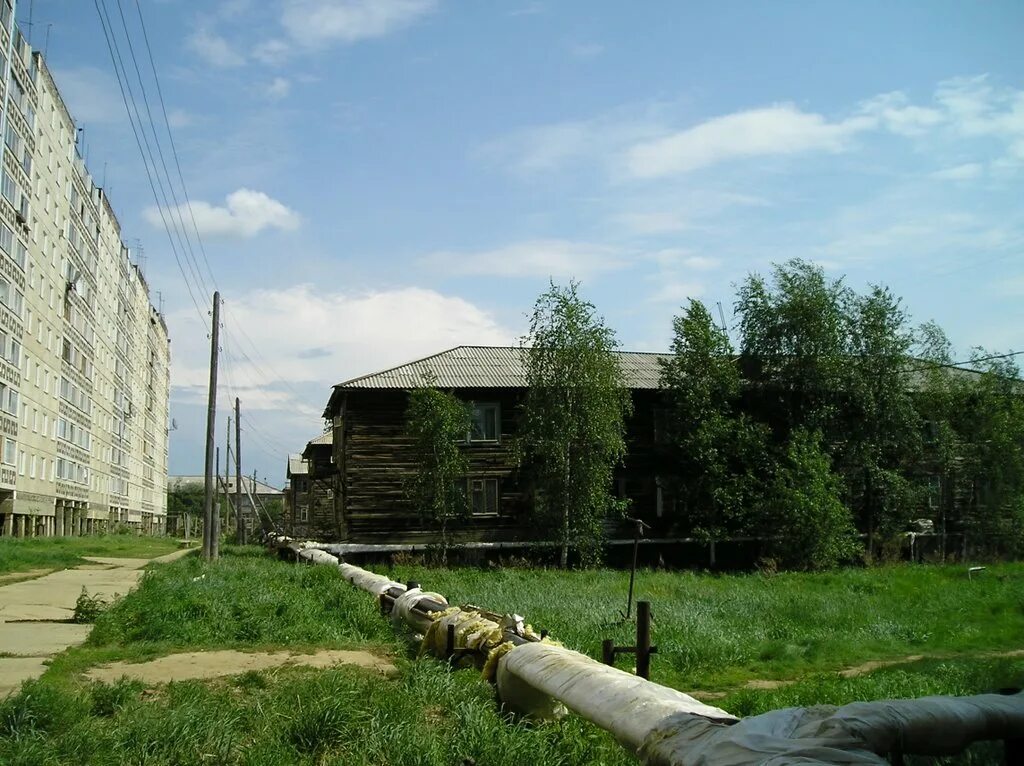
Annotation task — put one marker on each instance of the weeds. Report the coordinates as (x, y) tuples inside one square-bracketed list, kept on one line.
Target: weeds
[(88, 608)]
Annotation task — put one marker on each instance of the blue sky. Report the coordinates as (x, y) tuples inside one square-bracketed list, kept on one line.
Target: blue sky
[(377, 180)]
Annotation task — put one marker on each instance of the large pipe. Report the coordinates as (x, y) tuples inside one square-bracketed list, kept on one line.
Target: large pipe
[(666, 727)]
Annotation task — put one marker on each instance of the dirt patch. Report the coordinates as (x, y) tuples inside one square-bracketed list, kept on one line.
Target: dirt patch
[(871, 666), (215, 664), (868, 667)]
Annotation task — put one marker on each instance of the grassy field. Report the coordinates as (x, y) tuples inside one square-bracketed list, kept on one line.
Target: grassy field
[(20, 554), (714, 633)]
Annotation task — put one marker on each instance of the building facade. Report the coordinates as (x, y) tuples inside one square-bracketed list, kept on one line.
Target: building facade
[(373, 458), (84, 356)]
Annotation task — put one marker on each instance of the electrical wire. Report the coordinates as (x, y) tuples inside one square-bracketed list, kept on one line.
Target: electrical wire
[(138, 141), (170, 138), (176, 209)]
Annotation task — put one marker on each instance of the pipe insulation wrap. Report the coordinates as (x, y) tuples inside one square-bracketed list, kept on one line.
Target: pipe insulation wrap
[(368, 581), (317, 556), (626, 705), (402, 611)]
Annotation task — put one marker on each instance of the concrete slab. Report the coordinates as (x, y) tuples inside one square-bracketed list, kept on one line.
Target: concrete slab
[(39, 639), (15, 670), (47, 603), (228, 662)]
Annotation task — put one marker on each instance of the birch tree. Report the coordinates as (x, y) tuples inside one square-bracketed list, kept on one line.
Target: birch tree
[(573, 429), (438, 423)]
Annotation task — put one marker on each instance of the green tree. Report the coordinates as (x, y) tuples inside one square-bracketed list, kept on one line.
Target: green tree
[(718, 453), (573, 428), (185, 506), (438, 423), (810, 526), (794, 347), (882, 426), (994, 431)]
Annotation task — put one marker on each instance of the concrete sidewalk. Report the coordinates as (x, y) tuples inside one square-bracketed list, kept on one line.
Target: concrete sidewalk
[(34, 614)]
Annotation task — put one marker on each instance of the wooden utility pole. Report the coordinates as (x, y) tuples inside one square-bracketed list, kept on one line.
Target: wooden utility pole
[(239, 519), (209, 490), (227, 479)]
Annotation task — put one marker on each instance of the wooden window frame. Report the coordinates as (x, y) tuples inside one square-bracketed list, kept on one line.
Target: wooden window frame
[(483, 480), (497, 423)]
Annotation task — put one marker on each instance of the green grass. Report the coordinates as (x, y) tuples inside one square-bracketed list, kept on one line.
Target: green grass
[(426, 715), (245, 599), (19, 554), (342, 716), (715, 632)]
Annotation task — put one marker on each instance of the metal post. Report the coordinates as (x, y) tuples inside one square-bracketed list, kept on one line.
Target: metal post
[(608, 651), (643, 639), (209, 489), (632, 571), (239, 516)]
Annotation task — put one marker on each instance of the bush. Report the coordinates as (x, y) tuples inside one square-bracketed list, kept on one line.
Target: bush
[(88, 608), (812, 527)]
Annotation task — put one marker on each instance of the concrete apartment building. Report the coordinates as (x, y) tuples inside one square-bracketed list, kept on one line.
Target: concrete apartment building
[(84, 356)]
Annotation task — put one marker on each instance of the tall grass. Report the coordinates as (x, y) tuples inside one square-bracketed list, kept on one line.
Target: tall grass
[(242, 600), (19, 554), (711, 631), (714, 632), (427, 716)]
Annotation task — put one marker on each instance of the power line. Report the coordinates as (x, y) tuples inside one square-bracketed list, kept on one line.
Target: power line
[(162, 199), (111, 47), (174, 149), (279, 377), (160, 152), (936, 365)]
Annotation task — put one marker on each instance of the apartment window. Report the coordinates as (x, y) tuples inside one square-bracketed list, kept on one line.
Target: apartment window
[(485, 423), (10, 402), (21, 463), (32, 467), (483, 496), (10, 452)]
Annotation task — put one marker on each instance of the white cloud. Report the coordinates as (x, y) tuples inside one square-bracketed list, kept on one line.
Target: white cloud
[(278, 88), (677, 292), (92, 95), (214, 49), (180, 118), (964, 172), (318, 24), (296, 331), (895, 113), (532, 258), (245, 214), (782, 129), (545, 148), (637, 142)]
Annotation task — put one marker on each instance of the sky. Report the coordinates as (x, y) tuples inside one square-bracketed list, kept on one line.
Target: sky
[(378, 180)]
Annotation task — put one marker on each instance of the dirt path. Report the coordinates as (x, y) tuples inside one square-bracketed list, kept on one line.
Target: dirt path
[(858, 670), (35, 614), (215, 664)]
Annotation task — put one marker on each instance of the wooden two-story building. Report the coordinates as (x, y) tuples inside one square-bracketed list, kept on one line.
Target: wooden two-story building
[(371, 458)]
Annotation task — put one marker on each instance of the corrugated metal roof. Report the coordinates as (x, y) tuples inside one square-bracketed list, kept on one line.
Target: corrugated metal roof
[(297, 466), (324, 438), (491, 367)]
